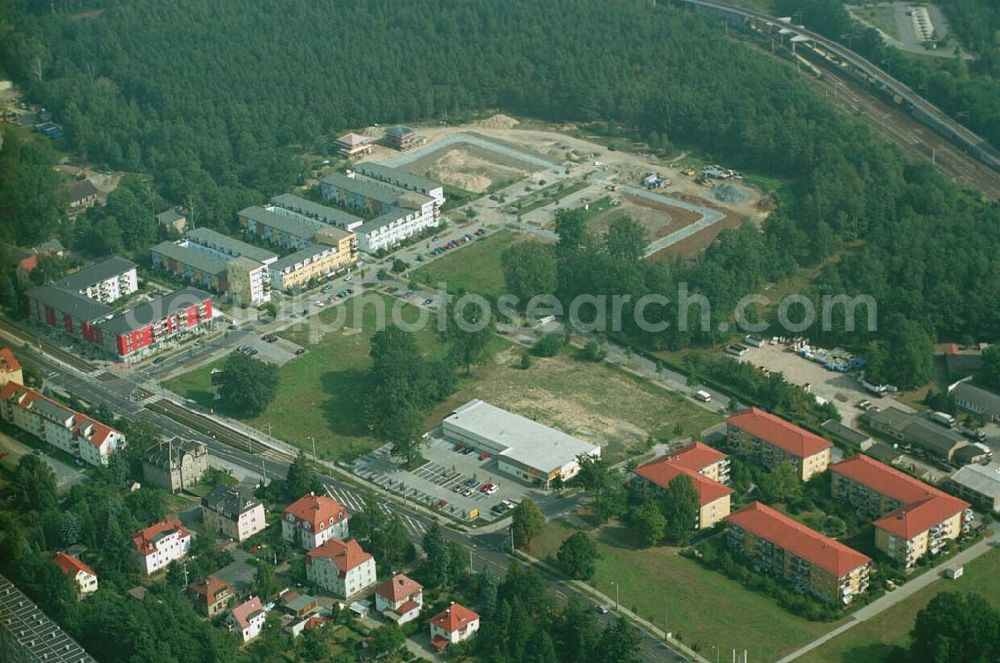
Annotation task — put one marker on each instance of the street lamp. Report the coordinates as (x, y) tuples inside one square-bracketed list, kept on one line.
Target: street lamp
[(617, 603), (717, 652)]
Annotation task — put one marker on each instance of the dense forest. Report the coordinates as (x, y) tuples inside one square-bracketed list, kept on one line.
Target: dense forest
[(218, 101)]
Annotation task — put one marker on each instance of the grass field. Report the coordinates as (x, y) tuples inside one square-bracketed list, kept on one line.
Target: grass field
[(476, 267), (701, 607), (321, 393), (885, 638)]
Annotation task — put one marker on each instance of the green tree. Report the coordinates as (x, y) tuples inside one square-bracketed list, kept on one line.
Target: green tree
[(548, 345), (626, 239), (386, 640), (781, 483), (593, 351), (468, 331), (680, 506), (649, 523), (578, 556), (529, 269), (434, 568), (571, 226), (175, 576), (33, 486), (989, 375), (301, 479), (527, 521), (619, 642), (250, 385), (265, 581), (956, 626)]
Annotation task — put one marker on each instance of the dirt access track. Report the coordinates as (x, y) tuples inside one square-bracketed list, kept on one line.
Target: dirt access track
[(494, 155)]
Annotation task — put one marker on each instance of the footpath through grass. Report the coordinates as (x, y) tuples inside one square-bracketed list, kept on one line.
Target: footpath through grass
[(701, 607), (885, 638)]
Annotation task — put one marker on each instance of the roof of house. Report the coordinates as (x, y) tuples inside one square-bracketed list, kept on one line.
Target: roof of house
[(93, 274), (145, 540), (50, 246), (181, 251), (81, 190), (229, 245), (328, 215), (932, 436), (246, 611), (819, 550), (399, 130), (28, 264), (314, 509), (230, 501), (209, 588), (396, 176), (688, 462), (454, 617), (779, 433), (891, 418), (347, 555), (70, 303), (72, 565), (31, 400), (8, 362), (923, 505), (963, 363), (353, 139), (982, 479), (169, 216), (155, 310), (842, 432), (528, 442), (884, 452), (171, 453), (287, 221), (399, 587), (985, 400)]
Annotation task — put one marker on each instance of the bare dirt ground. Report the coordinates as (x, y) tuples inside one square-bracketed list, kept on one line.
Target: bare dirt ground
[(658, 220), (470, 168)]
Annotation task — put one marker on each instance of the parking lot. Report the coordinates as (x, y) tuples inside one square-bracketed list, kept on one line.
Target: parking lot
[(275, 350), (452, 482)]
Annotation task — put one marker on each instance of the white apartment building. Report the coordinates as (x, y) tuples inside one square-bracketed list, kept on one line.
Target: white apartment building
[(105, 281), (231, 513), (161, 543), (341, 567), (53, 422), (312, 520)]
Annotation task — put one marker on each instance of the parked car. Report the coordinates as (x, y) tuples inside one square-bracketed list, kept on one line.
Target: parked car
[(486, 486), (159, 360), (603, 610), (300, 351), (484, 456), (492, 490), (428, 301), (480, 232), (468, 492)]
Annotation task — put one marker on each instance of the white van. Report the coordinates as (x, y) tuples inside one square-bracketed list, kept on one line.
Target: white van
[(703, 396)]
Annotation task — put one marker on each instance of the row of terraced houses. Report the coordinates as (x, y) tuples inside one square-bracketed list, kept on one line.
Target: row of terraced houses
[(911, 518)]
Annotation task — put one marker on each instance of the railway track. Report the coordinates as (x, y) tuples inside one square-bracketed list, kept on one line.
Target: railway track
[(49, 349), (211, 428)]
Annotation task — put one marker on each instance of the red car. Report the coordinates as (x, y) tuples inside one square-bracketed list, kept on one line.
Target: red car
[(483, 456), (486, 487)]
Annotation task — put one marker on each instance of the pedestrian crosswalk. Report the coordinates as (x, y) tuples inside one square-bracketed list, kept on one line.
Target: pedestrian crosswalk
[(354, 501)]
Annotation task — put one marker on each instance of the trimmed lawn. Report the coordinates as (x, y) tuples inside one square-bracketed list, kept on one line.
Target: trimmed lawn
[(885, 637), (703, 608), (475, 267)]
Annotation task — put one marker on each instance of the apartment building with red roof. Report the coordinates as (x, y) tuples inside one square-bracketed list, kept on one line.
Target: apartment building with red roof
[(314, 519), (772, 440), (84, 576), (400, 598), (161, 543), (810, 561), (912, 517), (452, 625), (341, 567), (10, 368), (708, 470), (52, 422)]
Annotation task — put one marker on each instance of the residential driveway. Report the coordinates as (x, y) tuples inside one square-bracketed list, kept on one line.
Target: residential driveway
[(240, 573), (66, 475)]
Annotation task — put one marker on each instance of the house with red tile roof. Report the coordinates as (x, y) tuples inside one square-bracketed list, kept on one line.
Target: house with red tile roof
[(161, 543), (452, 625), (912, 518), (810, 561), (399, 598), (211, 595), (84, 576), (52, 422), (341, 567), (773, 441), (248, 618), (708, 470), (10, 368), (314, 519)]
